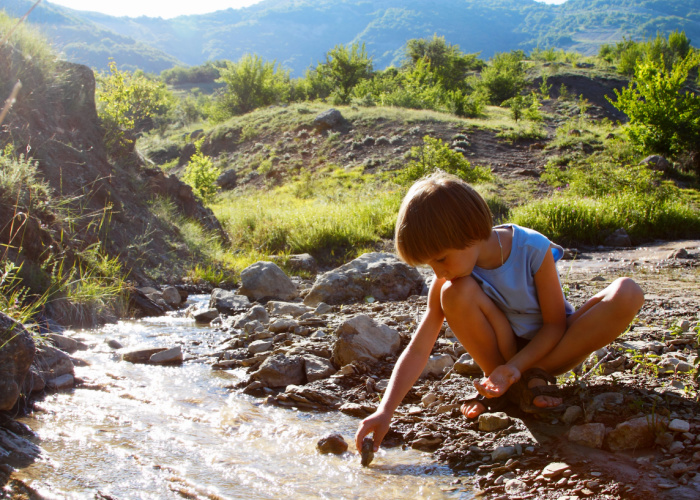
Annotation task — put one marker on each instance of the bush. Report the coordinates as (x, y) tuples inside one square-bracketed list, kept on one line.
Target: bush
[(345, 67), (504, 77), (436, 155), (201, 174)]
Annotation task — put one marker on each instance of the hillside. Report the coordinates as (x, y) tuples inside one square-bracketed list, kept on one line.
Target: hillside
[(298, 33)]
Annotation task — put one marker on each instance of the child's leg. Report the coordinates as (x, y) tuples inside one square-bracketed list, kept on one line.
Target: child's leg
[(597, 323), (480, 326)]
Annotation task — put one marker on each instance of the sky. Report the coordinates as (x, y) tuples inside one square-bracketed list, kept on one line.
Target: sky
[(166, 9)]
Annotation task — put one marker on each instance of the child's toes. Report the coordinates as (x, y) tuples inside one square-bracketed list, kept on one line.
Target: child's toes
[(472, 410), (546, 401)]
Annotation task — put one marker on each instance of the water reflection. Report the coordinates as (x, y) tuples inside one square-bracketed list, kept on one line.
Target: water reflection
[(170, 432)]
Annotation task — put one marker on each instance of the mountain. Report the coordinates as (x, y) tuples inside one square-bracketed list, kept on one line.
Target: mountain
[(297, 33)]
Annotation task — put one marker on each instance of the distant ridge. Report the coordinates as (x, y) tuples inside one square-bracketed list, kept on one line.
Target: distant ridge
[(297, 33)]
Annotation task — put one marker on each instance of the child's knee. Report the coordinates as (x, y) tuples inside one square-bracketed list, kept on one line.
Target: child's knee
[(459, 296), (629, 294)]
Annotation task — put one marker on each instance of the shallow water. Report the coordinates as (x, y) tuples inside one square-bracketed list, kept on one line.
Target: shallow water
[(147, 432)]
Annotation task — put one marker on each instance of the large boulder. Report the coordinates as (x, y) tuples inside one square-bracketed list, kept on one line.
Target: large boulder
[(227, 302), (636, 433), (379, 275), (16, 355), (328, 119), (266, 280), (361, 339), (280, 370), (52, 363)]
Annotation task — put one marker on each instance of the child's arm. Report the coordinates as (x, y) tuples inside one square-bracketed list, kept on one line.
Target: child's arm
[(407, 370), (551, 300)]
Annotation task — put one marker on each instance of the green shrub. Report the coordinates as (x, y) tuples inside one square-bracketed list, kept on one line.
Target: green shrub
[(504, 77), (344, 67), (433, 155), (201, 174)]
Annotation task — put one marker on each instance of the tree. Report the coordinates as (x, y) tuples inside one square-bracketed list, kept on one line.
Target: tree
[(664, 117), (504, 77), (448, 63), (252, 83), (344, 68), (201, 174), (127, 104)]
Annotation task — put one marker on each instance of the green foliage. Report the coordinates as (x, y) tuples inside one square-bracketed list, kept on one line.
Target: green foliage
[(204, 73), (20, 183), (664, 118), (252, 83), (345, 67), (15, 298), (445, 60), (627, 54), (436, 155), (128, 104), (504, 77), (201, 174)]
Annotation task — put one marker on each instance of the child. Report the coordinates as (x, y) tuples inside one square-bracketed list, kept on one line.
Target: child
[(499, 290)]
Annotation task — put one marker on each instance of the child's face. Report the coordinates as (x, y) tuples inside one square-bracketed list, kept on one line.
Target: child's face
[(453, 263)]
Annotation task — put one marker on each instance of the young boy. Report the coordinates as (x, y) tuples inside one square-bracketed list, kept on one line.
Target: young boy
[(498, 288)]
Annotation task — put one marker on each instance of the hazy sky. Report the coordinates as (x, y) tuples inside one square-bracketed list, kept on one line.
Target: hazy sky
[(161, 8)]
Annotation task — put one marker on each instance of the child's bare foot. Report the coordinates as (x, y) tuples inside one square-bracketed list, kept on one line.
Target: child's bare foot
[(543, 401), (536, 392), (480, 404), (472, 409)]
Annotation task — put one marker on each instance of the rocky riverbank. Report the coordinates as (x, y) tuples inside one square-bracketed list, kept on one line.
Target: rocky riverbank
[(630, 428)]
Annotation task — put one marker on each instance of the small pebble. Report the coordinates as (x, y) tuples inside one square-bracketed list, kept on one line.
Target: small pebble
[(367, 451)]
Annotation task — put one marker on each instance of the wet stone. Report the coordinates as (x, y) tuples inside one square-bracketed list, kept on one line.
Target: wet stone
[(367, 452), (332, 443)]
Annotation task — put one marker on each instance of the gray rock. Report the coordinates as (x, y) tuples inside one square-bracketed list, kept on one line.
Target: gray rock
[(591, 435), (266, 280), (303, 262), (361, 339), (502, 453), (317, 368), (51, 363), (669, 363), (436, 365), (315, 394), (259, 346), (206, 315), (676, 447), (167, 357), (280, 370), (516, 486), (379, 275), (256, 313), (677, 425), (283, 325), (572, 414), (171, 296), (555, 469), (114, 344), (227, 302), (636, 433), (60, 383), (294, 309), (332, 443), (656, 162), (323, 308), (66, 344), (16, 450), (619, 238), (489, 422), (16, 357), (607, 401), (227, 180), (329, 119), (466, 366), (141, 355)]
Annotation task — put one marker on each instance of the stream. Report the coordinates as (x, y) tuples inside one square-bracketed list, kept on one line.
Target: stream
[(147, 432)]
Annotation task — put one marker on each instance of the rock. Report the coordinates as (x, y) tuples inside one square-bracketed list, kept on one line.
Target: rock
[(656, 162), (572, 414), (428, 399), (33, 382), (426, 443), (227, 180), (66, 344), (489, 422), (619, 238), (664, 439), (555, 469), (266, 280), (256, 313), (516, 487), (16, 357), (332, 443), (283, 325), (63, 382), (206, 315), (681, 253), (141, 355), (361, 339), (466, 366), (303, 262), (677, 425), (354, 410), (114, 344), (17, 450), (280, 370), (316, 394), (51, 363), (259, 346), (167, 357), (636, 433), (502, 453), (367, 451), (669, 363), (144, 305), (317, 368), (171, 296), (436, 365), (227, 302), (379, 275), (676, 447), (607, 400), (328, 119), (294, 309), (323, 308), (591, 435)]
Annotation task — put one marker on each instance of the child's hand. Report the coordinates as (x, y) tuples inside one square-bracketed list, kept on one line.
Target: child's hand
[(501, 378), (378, 423)]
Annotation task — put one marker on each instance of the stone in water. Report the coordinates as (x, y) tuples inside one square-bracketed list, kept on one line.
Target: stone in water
[(367, 451)]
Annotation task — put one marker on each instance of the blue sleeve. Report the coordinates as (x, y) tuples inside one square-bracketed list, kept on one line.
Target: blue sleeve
[(537, 245)]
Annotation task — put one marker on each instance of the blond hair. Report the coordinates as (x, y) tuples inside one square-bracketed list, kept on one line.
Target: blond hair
[(438, 213)]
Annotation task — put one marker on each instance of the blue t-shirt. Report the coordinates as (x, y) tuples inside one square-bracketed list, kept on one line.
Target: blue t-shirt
[(512, 285)]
